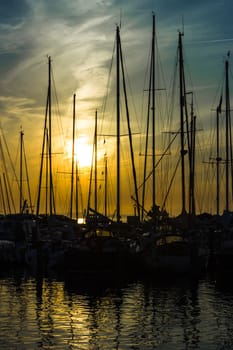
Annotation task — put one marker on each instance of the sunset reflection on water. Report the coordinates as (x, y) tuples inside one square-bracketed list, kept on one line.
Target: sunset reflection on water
[(41, 313)]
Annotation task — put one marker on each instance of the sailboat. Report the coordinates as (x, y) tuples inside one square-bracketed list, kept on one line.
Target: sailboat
[(17, 227), (102, 248), (167, 250), (222, 238), (51, 219), (46, 249)]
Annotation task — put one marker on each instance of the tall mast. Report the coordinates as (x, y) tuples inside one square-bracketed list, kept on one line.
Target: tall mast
[(192, 209), (21, 173), (72, 169), (227, 132), (105, 184), (119, 64), (50, 143), (76, 189), (218, 159), (95, 145), (118, 214), (47, 148), (149, 108), (182, 99), (153, 112), (130, 136)]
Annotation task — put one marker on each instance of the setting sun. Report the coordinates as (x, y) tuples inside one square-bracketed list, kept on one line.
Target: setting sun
[(82, 152)]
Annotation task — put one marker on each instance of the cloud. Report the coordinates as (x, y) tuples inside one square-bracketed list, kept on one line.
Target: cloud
[(12, 13), (79, 36)]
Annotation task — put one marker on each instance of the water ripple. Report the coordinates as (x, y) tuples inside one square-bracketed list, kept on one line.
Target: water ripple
[(38, 313)]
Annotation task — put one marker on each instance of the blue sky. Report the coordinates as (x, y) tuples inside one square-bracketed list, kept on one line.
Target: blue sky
[(79, 37)]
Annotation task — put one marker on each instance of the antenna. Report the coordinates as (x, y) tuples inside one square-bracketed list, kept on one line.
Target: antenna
[(182, 21), (120, 18)]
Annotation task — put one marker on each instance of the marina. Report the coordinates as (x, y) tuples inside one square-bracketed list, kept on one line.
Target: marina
[(151, 241), (117, 231)]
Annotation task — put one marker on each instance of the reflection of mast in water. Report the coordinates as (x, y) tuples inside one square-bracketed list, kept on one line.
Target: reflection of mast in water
[(44, 311), (191, 320)]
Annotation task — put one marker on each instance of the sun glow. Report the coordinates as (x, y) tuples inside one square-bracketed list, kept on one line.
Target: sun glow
[(82, 152)]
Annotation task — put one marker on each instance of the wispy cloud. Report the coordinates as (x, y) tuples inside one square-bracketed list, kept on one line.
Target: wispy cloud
[(79, 36)]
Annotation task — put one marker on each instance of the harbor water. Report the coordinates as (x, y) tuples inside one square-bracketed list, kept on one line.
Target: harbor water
[(38, 312)]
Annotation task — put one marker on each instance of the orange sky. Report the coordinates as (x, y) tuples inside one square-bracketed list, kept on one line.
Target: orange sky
[(80, 39)]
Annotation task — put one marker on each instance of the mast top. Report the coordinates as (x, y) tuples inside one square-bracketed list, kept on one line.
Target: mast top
[(181, 33)]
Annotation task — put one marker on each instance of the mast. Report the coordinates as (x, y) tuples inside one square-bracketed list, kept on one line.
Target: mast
[(118, 214), (95, 145), (130, 136), (76, 189), (93, 165), (182, 105), (218, 158), (217, 165), (50, 143), (47, 148), (105, 184), (119, 64), (192, 209), (146, 153), (153, 113), (72, 169), (227, 131), (23, 163), (21, 173), (149, 108)]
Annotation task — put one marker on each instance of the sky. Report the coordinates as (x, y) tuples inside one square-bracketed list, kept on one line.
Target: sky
[(79, 36)]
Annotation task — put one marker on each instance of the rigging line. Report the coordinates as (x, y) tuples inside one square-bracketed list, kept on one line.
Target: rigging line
[(219, 90), (147, 131), (90, 180), (170, 185), (160, 159), (16, 162), (9, 156), (27, 177), (6, 178), (44, 145), (108, 86), (129, 127), (162, 107), (2, 197), (172, 84), (57, 107), (130, 88), (7, 194), (144, 91)]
